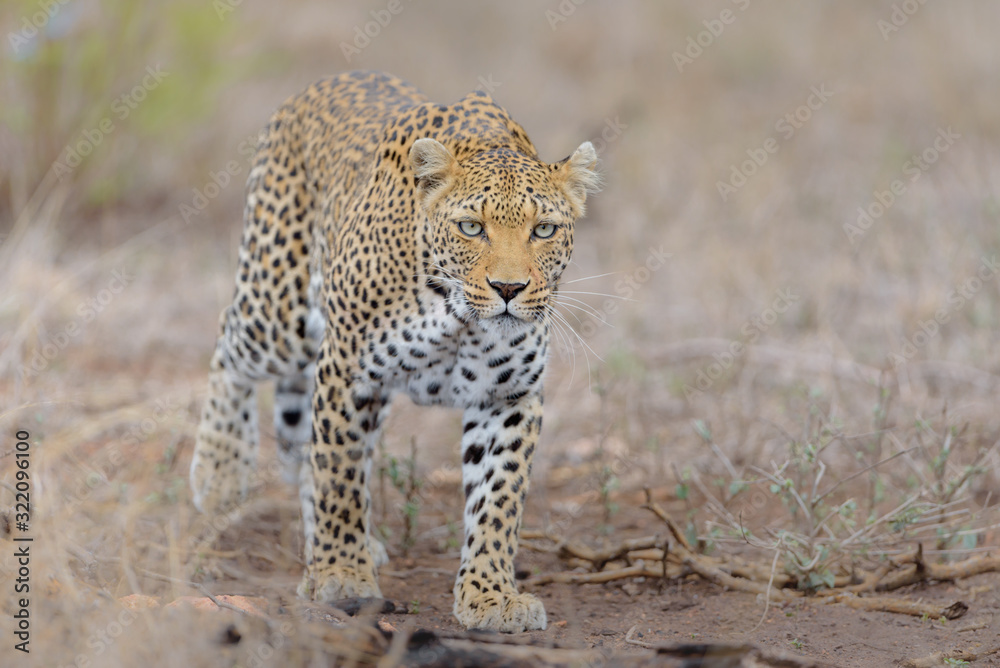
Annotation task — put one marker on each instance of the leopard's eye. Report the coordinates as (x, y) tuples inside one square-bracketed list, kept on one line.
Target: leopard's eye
[(470, 228), (544, 230)]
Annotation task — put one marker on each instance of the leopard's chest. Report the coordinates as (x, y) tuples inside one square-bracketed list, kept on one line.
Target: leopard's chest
[(437, 359)]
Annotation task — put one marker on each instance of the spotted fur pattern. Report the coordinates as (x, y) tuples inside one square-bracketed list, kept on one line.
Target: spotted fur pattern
[(393, 245)]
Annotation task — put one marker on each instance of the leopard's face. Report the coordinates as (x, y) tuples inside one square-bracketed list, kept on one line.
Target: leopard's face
[(501, 227)]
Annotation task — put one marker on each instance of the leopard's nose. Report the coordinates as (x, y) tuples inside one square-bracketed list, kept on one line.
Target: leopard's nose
[(507, 291)]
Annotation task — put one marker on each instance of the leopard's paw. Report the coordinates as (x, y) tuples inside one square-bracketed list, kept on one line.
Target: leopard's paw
[(339, 582), (220, 474), (506, 611)]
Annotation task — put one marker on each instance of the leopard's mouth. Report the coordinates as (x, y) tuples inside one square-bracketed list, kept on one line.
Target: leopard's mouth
[(511, 317), (505, 322), (507, 318)]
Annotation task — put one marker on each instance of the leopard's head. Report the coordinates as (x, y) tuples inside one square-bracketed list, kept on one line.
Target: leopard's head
[(501, 224)]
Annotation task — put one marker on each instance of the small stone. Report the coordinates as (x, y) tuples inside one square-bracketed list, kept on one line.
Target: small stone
[(631, 588), (251, 605), (139, 602)]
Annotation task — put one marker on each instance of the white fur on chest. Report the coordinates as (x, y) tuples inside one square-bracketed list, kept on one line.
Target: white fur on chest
[(437, 359)]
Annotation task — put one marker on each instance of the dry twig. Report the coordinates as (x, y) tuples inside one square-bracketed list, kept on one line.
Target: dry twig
[(652, 557)]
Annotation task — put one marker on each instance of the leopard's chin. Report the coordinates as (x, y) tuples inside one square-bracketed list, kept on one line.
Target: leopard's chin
[(505, 323)]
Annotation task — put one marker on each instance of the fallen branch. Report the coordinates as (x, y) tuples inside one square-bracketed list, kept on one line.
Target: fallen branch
[(675, 530), (599, 558), (717, 576), (899, 606), (632, 641), (641, 570), (653, 557), (912, 569), (948, 572), (939, 658)]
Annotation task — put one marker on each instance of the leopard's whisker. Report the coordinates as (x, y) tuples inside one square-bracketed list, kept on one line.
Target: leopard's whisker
[(581, 305), (577, 334), (567, 346), (442, 279), (571, 348), (446, 272), (590, 278), (558, 316), (596, 294)]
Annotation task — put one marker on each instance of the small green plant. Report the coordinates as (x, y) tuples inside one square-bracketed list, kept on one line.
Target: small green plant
[(609, 482), (414, 608), (402, 474), (956, 662), (454, 539), (949, 480), (835, 523), (169, 457), (796, 643), (175, 490), (683, 492)]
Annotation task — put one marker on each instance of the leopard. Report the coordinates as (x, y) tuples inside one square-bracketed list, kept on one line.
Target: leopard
[(393, 245)]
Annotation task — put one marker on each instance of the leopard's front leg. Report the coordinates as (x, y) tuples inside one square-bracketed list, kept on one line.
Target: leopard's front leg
[(347, 416), (497, 448)]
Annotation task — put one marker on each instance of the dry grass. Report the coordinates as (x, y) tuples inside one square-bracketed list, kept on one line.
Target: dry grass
[(111, 410)]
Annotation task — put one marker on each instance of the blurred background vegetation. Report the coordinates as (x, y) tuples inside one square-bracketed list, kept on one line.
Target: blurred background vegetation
[(74, 70)]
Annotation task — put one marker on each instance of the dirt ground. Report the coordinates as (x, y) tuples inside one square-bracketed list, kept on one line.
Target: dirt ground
[(693, 611), (789, 328), (257, 556)]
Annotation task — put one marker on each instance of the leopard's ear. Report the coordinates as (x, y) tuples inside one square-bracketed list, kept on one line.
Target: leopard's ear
[(434, 167), (579, 176)]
